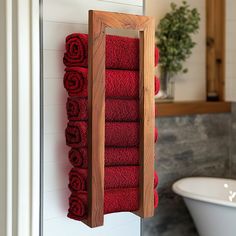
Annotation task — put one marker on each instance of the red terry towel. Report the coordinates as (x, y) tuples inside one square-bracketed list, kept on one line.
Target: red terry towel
[(118, 84), (117, 134), (115, 109), (113, 157), (157, 85), (115, 177), (115, 200), (121, 52)]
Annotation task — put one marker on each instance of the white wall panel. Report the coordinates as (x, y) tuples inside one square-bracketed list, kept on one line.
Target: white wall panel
[(56, 32), (63, 17), (127, 2), (115, 226), (54, 92), (53, 63), (55, 149), (77, 11)]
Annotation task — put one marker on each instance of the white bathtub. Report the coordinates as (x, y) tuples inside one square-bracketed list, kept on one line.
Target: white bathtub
[(212, 204)]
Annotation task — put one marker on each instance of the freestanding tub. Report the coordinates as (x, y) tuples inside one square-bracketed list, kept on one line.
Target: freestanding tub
[(212, 204)]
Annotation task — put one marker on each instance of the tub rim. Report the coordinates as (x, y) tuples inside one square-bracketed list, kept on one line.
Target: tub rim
[(199, 197)]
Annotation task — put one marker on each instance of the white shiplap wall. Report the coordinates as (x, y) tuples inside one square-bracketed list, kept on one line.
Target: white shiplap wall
[(60, 18), (230, 50), (190, 86)]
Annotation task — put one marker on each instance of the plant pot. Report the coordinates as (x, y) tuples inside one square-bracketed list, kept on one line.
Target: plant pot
[(166, 92)]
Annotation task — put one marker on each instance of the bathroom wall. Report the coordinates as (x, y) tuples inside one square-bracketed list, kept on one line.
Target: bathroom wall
[(190, 86), (233, 143), (230, 50), (61, 18), (200, 145), (189, 146)]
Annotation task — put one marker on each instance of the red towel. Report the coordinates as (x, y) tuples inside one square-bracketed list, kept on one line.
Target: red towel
[(157, 85), (115, 109), (115, 200), (117, 134), (115, 177), (113, 157), (118, 84), (121, 52)]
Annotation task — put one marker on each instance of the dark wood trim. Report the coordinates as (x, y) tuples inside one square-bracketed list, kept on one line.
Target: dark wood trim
[(215, 53), (191, 108)]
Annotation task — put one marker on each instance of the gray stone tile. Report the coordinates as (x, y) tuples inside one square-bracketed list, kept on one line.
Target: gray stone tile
[(233, 142), (189, 146), (171, 218), (193, 128), (192, 158), (234, 111), (233, 166)]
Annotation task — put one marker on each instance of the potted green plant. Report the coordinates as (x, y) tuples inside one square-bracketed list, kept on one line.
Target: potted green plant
[(174, 40)]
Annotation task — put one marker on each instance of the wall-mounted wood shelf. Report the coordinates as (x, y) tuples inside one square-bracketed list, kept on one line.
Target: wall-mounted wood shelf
[(191, 108)]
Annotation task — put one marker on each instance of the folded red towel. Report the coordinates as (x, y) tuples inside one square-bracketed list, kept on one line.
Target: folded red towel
[(117, 134), (118, 84), (115, 109), (115, 177), (121, 52), (115, 200), (113, 157)]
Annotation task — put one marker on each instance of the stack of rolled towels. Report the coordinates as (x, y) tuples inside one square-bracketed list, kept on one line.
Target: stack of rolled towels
[(121, 180)]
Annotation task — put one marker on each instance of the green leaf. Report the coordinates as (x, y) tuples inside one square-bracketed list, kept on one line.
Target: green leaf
[(174, 36)]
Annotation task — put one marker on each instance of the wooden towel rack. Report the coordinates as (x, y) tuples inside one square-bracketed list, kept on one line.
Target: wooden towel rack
[(98, 22)]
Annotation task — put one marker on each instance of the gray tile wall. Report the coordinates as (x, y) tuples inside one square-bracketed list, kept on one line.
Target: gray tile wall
[(233, 142), (198, 145)]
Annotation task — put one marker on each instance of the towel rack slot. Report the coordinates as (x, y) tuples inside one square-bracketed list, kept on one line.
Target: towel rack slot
[(98, 22)]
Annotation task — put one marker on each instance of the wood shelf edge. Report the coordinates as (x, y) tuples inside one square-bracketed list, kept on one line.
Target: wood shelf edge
[(163, 109)]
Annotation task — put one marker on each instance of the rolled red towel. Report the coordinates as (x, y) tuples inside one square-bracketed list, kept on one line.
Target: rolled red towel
[(115, 200), (156, 179), (118, 84), (113, 157), (156, 135), (115, 109), (117, 134), (156, 199), (121, 52), (114, 177), (157, 85)]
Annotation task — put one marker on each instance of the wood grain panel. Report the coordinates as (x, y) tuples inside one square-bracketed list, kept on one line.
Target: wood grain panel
[(96, 111), (215, 12), (99, 21), (191, 108), (146, 95)]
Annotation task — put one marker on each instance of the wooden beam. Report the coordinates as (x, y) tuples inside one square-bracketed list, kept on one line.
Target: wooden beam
[(215, 29), (98, 22), (96, 128), (147, 123), (191, 108)]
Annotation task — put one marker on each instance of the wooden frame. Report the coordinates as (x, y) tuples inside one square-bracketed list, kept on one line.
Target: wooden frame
[(99, 21), (215, 56)]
